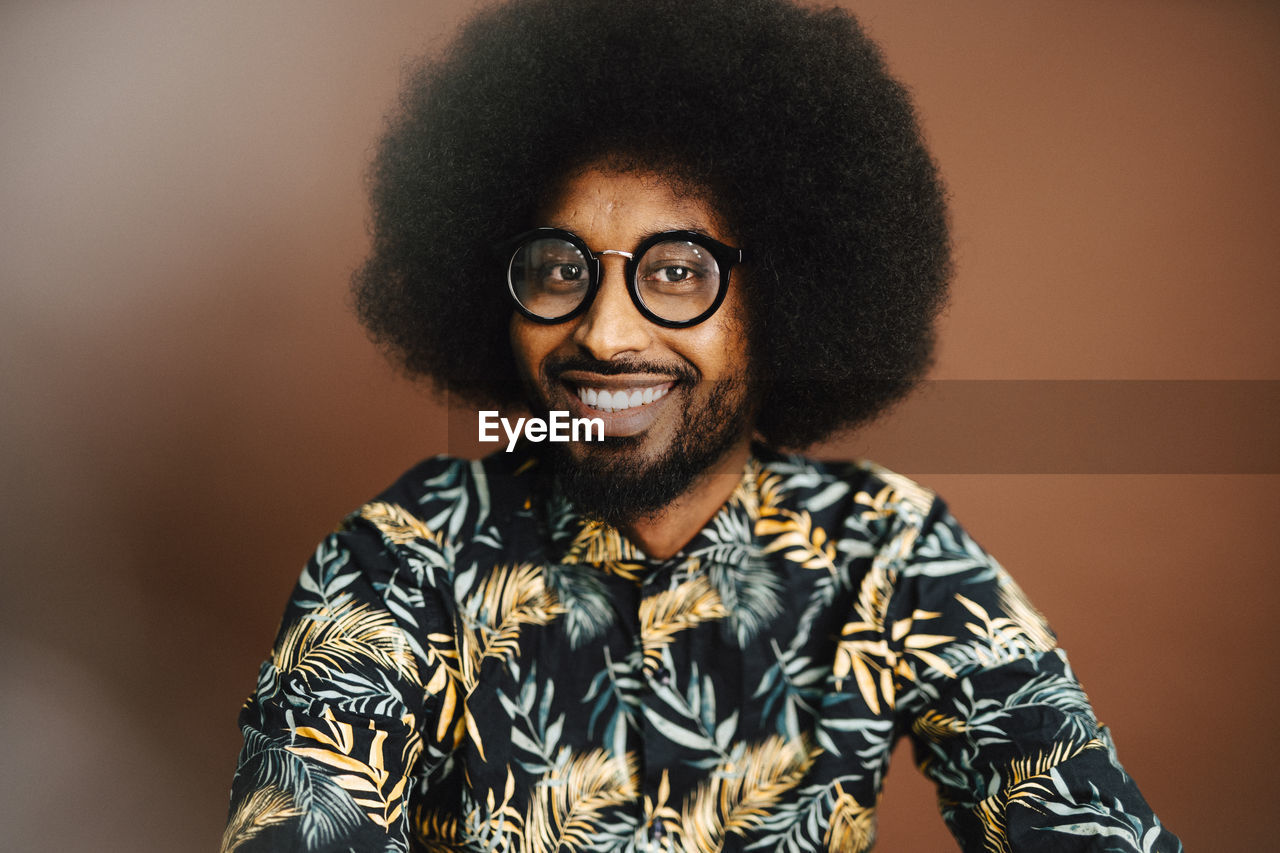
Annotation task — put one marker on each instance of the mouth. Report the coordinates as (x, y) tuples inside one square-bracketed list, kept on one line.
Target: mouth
[(620, 399), (628, 403)]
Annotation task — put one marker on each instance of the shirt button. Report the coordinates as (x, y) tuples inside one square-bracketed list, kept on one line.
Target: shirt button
[(663, 676)]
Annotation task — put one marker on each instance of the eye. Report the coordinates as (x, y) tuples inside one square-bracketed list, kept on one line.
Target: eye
[(671, 274), (563, 272), (677, 266), (674, 276)]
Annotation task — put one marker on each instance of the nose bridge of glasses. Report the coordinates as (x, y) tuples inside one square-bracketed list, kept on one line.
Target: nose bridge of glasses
[(608, 271), (612, 304), (621, 266), (602, 267)]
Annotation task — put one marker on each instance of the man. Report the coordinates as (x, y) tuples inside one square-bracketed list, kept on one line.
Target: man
[(702, 224)]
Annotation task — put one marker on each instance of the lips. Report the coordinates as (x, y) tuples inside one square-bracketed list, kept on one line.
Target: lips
[(627, 403)]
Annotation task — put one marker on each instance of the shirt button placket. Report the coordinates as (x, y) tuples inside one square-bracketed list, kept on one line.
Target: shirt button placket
[(658, 840)]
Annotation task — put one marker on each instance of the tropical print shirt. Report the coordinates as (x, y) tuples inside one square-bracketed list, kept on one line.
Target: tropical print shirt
[(469, 664)]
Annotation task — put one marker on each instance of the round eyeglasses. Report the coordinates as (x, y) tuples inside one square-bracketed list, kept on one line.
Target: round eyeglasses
[(676, 278)]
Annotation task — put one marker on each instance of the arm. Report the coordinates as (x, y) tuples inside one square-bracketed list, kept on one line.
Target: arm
[(354, 708), (997, 719)]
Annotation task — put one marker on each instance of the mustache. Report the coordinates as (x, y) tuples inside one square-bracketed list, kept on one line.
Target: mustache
[(615, 367)]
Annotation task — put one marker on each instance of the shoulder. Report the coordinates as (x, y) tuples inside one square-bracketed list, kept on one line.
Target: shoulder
[(897, 539), (917, 539), (860, 496)]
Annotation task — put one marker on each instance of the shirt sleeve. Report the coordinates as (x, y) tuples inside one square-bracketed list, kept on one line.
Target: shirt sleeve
[(356, 705), (997, 718)]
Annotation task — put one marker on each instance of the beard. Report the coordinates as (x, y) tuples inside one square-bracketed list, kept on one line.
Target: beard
[(613, 481)]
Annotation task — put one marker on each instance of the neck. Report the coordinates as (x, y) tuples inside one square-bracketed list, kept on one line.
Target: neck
[(670, 529)]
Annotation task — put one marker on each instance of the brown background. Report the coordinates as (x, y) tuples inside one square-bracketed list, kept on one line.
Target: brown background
[(188, 406)]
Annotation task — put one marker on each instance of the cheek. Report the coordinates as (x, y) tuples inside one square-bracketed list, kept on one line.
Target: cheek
[(711, 349), (531, 344), (520, 344), (720, 348)]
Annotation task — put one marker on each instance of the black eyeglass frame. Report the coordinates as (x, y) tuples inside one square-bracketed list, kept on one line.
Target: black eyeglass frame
[(726, 257)]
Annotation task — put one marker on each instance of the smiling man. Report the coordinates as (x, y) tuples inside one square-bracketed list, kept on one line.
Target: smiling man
[(713, 226)]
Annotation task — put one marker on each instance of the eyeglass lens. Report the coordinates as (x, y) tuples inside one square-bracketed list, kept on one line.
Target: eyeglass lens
[(676, 280)]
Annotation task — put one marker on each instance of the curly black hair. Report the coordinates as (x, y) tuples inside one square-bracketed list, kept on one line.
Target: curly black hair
[(784, 115)]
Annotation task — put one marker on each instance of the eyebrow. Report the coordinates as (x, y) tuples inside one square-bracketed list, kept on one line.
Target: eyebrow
[(691, 227)]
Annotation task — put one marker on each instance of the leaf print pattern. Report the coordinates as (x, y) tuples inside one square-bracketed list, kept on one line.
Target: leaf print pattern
[(668, 613), (565, 813), (370, 784), (740, 793), (264, 808), (1024, 785), (800, 542), (851, 826), (468, 664), (509, 598), (600, 545), (398, 525), (329, 640)]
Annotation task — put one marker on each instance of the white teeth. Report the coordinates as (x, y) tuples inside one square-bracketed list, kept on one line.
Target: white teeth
[(617, 401)]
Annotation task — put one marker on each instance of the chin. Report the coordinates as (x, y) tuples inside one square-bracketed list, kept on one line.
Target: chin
[(631, 477)]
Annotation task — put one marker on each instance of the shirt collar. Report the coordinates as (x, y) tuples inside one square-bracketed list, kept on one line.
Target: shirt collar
[(574, 538)]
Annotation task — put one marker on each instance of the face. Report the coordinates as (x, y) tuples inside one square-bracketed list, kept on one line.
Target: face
[(679, 402)]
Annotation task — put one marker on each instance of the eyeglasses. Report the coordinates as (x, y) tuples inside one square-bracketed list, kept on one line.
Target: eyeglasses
[(676, 278)]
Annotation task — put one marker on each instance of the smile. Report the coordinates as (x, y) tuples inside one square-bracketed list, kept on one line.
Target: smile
[(621, 399)]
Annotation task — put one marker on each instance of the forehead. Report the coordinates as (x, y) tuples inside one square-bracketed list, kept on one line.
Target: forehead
[(603, 203)]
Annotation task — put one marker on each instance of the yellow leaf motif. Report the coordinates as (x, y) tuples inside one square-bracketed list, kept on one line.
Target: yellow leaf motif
[(511, 596), (492, 616), (371, 786), (600, 544), (436, 831), (873, 597), (499, 819), (265, 807), (867, 660), (865, 653), (1031, 624), (737, 796), (328, 640), (567, 802), (671, 611), (660, 811), (1024, 784), (747, 493), (937, 726), (880, 505), (769, 493), (1006, 637), (794, 533), (446, 681), (397, 524), (897, 494), (852, 826)]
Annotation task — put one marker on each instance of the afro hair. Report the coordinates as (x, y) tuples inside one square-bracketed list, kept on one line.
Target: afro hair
[(785, 116)]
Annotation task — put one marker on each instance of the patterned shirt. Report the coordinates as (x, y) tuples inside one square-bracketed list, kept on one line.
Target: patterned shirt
[(469, 664)]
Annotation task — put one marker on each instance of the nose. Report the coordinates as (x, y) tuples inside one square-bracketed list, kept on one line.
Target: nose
[(612, 325)]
